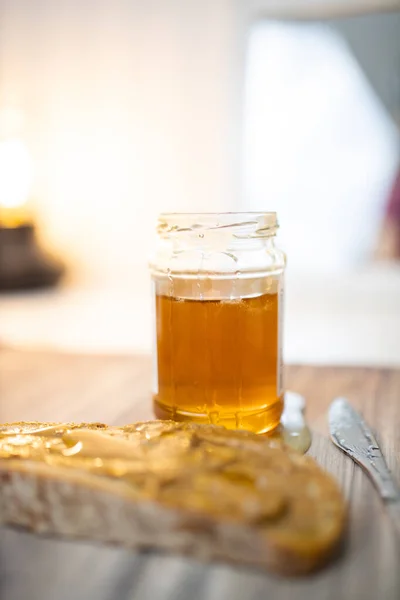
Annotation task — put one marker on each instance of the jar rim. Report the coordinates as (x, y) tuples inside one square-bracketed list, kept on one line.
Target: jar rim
[(244, 224)]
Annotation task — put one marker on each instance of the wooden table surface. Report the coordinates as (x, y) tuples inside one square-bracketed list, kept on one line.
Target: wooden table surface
[(52, 386)]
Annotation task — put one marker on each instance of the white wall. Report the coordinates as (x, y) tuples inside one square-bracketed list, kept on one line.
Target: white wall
[(131, 108), (320, 148)]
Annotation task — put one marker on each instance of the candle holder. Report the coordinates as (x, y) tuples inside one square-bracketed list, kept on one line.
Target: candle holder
[(23, 263)]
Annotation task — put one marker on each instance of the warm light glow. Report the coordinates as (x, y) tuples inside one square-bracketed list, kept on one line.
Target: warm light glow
[(16, 173)]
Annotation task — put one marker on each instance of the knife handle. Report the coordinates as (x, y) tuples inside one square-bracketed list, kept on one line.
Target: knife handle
[(393, 508)]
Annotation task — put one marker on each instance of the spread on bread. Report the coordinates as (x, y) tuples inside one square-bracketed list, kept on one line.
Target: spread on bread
[(187, 488)]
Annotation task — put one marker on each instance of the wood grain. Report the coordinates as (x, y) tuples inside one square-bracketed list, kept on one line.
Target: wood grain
[(51, 386)]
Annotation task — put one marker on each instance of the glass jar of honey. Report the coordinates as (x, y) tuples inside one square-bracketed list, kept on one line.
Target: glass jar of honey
[(218, 294)]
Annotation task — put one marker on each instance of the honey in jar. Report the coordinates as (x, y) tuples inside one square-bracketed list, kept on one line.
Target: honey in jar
[(218, 291)]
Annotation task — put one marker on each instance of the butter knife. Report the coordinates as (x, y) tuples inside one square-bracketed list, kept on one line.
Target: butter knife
[(352, 435)]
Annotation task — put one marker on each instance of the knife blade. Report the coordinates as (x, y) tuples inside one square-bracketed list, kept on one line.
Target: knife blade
[(352, 435)]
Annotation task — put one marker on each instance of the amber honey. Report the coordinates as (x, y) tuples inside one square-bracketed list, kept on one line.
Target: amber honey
[(218, 360)]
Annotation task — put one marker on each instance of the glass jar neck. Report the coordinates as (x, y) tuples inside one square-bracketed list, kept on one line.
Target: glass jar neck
[(217, 244)]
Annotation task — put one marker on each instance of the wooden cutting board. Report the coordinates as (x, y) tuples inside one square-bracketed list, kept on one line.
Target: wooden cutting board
[(58, 387)]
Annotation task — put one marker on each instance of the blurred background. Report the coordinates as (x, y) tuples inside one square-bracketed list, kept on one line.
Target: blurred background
[(111, 112)]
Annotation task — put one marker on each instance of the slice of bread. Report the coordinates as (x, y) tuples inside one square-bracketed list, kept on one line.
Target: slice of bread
[(194, 489)]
